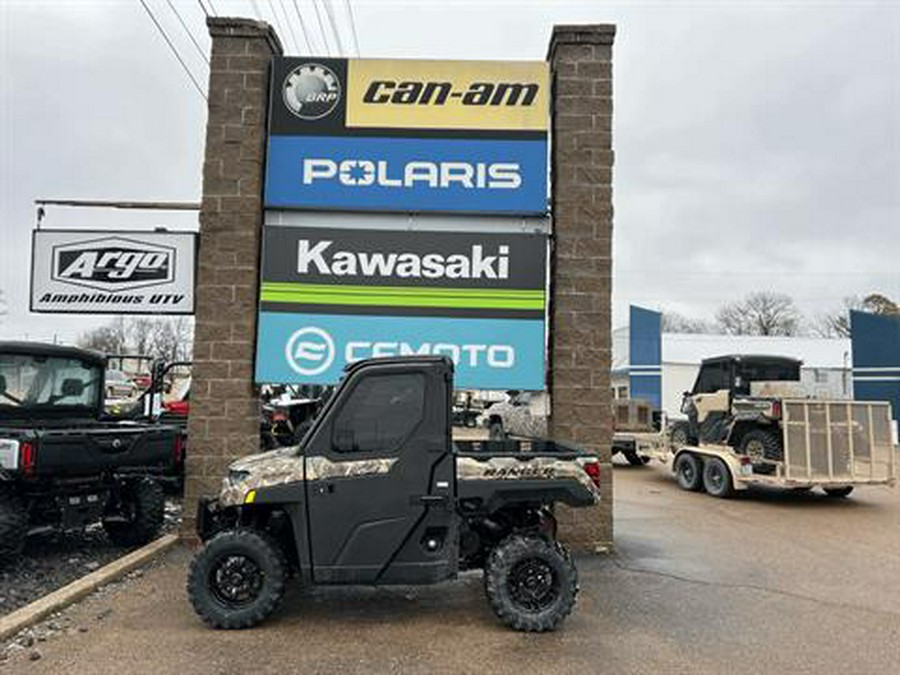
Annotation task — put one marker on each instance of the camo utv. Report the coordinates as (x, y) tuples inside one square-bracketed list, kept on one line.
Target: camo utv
[(378, 493)]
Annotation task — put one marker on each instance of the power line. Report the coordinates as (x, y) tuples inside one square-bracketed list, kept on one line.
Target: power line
[(188, 31), (290, 26), (174, 50), (281, 31), (330, 12), (353, 26), (203, 7), (213, 8), (303, 27), (322, 27)]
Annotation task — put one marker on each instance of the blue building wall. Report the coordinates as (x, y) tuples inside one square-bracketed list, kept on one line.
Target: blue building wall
[(645, 355), (876, 358)]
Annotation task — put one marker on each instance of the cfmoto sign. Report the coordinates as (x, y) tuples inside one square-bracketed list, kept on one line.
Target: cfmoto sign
[(309, 351), (315, 348)]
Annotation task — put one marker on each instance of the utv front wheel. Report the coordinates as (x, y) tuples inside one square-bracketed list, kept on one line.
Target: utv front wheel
[(530, 582), (138, 516), (237, 579)]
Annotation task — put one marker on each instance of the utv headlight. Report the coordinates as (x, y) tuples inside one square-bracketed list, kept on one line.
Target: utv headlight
[(236, 477), (9, 453)]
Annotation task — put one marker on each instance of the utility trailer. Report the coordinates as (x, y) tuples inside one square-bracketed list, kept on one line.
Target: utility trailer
[(639, 432), (832, 445)]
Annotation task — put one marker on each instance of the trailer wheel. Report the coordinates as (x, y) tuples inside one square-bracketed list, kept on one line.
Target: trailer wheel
[(717, 479), (838, 493), (689, 471), (139, 516), (531, 582), (237, 579), (13, 526)]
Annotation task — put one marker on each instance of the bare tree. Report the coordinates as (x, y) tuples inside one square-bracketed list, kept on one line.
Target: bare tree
[(172, 339), (880, 304), (111, 338), (837, 324), (140, 333), (159, 337), (673, 322), (760, 314)]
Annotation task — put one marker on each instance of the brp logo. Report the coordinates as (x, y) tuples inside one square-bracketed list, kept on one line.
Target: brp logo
[(309, 351), (311, 91)]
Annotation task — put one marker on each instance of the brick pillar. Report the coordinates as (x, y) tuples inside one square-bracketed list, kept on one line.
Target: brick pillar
[(580, 293), (224, 417)]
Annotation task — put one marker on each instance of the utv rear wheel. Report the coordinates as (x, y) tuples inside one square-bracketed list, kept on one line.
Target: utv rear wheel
[(13, 526), (689, 471), (838, 493), (531, 582), (762, 444), (680, 435), (139, 515), (717, 479), (237, 579)]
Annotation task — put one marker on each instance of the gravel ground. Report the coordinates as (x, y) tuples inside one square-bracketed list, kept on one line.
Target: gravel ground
[(54, 559)]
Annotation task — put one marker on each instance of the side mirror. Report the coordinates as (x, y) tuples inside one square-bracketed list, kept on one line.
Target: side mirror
[(344, 440), (72, 387)]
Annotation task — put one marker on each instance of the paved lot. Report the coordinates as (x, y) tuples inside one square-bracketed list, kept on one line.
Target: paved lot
[(767, 583)]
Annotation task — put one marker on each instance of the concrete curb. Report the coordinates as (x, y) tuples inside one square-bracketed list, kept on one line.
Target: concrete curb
[(29, 615)]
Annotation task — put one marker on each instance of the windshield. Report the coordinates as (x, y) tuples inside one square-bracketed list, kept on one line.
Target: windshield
[(40, 382)]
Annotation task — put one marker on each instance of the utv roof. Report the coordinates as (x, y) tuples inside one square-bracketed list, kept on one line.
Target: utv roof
[(753, 358), (401, 360), (49, 350)]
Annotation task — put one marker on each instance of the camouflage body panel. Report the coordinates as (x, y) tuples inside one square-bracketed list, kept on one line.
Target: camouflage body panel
[(517, 420), (265, 469), (534, 468), (318, 468), (285, 465)]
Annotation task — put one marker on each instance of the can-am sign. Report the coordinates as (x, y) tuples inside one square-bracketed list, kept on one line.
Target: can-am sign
[(116, 273), (404, 135)]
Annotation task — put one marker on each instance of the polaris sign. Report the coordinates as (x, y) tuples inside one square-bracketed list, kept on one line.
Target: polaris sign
[(128, 273), (407, 174)]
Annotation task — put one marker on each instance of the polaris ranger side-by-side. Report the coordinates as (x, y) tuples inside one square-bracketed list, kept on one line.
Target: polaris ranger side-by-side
[(63, 463), (378, 493)]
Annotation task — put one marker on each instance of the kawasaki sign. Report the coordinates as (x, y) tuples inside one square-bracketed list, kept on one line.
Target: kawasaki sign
[(329, 297)]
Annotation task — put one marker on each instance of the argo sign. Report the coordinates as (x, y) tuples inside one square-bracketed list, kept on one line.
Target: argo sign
[(127, 272)]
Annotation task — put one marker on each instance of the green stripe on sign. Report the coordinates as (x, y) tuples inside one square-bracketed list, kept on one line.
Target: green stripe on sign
[(401, 296)]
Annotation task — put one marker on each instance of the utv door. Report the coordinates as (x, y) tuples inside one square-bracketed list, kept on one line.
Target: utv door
[(380, 479)]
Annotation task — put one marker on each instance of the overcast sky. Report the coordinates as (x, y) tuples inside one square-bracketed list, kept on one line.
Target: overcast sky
[(757, 144)]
